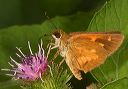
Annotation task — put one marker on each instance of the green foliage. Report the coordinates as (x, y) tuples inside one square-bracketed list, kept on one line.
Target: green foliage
[(113, 16)]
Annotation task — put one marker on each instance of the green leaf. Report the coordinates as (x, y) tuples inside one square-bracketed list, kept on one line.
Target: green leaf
[(117, 84), (112, 17)]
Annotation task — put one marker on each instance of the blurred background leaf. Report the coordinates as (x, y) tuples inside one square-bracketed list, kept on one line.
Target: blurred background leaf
[(20, 12)]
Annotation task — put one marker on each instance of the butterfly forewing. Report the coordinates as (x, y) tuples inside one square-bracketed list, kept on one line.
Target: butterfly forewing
[(88, 51), (110, 41)]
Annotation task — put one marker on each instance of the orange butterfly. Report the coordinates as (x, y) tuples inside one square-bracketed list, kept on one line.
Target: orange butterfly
[(86, 51)]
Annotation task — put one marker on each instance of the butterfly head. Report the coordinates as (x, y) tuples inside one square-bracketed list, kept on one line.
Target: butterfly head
[(56, 34), (59, 36)]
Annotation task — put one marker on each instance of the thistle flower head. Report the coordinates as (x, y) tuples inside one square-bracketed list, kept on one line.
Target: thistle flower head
[(31, 67)]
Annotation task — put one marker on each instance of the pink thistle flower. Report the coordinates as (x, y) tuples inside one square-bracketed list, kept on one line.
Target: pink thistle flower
[(31, 67)]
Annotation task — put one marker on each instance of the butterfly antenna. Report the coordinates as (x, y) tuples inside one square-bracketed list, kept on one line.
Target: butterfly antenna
[(50, 20)]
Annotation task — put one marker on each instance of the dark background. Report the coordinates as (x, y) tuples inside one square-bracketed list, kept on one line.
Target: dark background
[(20, 12)]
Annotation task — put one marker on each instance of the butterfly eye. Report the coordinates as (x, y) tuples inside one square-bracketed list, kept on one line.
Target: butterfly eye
[(57, 34)]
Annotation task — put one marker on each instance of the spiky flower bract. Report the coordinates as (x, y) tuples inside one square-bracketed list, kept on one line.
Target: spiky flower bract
[(56, 78)]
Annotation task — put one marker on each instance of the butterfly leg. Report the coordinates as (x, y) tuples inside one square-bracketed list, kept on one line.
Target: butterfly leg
[(55, 56), (49, 49), (51, 46), (54, 45), (61, 62)]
